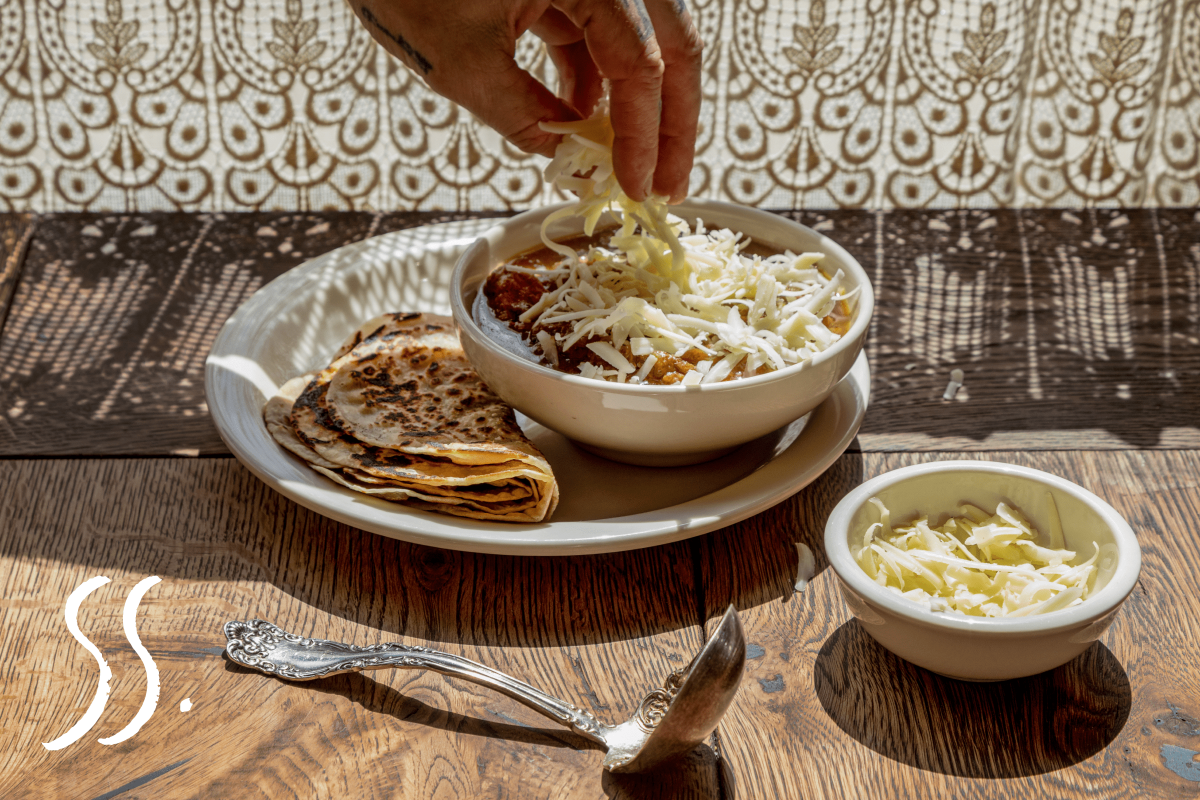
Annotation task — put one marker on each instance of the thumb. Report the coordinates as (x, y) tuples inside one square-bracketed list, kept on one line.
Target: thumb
[(513, 102)]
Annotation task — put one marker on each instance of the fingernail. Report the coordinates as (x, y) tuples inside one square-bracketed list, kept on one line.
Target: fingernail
[(648, 188), (681, 193)]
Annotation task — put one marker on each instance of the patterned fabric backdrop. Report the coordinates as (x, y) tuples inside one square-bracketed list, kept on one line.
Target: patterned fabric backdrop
[(288, 104)]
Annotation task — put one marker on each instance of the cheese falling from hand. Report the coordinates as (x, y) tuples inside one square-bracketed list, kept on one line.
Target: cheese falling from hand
[(660, 286), (978, 564)]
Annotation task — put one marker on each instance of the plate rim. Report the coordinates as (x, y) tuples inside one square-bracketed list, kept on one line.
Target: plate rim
[(764, 487)]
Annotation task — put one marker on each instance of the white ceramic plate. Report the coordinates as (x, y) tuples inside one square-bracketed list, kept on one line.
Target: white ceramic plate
[(296, 322)]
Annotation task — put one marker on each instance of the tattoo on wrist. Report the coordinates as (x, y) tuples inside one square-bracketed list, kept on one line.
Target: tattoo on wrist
[(420, 60)]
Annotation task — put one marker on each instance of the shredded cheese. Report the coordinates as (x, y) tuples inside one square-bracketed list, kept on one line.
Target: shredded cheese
[(977, 564), (806, 566), (660, 286)]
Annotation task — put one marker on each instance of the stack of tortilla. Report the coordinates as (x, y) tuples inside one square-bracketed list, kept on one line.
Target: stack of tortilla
[(401, 415)]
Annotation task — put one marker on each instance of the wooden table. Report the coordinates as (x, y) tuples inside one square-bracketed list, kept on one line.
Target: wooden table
[(1078, 331)]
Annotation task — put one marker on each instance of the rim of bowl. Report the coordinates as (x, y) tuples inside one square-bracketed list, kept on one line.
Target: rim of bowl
[(1129, 558), (852, 338)]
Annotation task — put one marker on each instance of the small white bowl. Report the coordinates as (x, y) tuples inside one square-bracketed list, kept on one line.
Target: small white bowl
[(971, 648), (659, 425)]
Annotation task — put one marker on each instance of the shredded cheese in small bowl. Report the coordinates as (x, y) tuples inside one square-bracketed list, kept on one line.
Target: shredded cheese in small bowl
[(981, 570), (978, 564)]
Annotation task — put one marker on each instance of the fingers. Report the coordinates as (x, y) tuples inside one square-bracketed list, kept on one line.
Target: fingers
[(490, 84), (513, 102), (650, 52), (579, 80), (621, 40), (524, 129), (509, 100), (555, 28), (465, 52), (648, 49), (681, 48)]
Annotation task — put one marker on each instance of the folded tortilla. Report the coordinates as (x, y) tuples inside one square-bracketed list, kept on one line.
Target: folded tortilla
[(401, 415)]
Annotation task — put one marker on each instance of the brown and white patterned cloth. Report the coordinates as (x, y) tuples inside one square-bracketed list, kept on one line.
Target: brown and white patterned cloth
[(219, 105)]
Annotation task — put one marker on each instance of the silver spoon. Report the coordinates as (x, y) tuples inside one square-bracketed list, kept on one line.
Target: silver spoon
[(668, 722)]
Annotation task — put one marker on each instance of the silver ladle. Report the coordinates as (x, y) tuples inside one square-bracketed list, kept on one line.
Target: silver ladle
[(668, 722)]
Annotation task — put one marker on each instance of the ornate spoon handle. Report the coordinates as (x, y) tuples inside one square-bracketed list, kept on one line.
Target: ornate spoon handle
[(259, 645)]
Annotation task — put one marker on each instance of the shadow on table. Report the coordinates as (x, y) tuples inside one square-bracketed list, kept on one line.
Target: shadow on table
[(378, 698), (210, 523), (1007, 729), (209, 528), (755, 562), (476, 599), (1025, 303), (690, 776)]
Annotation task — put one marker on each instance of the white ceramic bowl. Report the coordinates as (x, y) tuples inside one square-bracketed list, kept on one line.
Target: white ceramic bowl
[(658, 425), (971, 648)]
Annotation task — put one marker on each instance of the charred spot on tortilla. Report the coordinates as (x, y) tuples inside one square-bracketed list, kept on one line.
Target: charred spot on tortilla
[(385, 418), (382, 327), (277, 416), (311, 400)]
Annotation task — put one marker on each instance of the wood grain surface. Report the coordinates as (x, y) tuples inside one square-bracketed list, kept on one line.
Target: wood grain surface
[(824, 711), (1073, 328), (104, 346), (15, 232), (1078, 331), (599, 631)]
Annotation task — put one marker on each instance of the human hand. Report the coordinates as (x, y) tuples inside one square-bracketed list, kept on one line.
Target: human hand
[(648, 50)]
